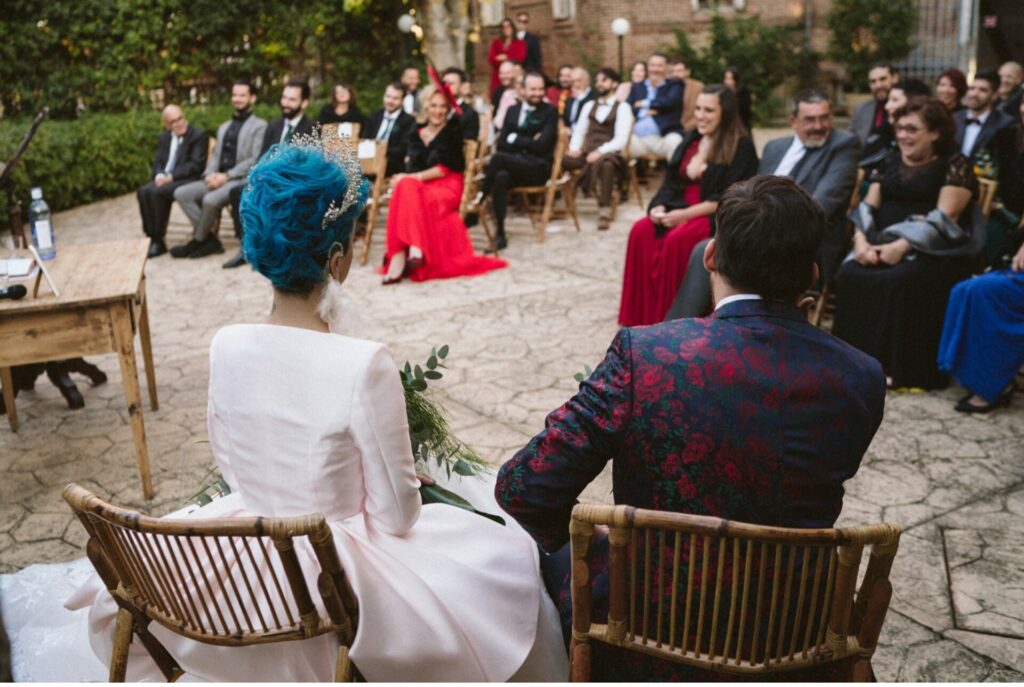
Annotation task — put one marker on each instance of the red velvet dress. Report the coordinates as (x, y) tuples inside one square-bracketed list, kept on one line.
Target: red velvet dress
[(515, 52), (425, 214), (656, 264)]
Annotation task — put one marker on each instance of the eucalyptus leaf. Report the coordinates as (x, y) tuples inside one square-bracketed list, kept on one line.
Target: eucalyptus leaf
[(432, 362), (432, 374), (443, 351)]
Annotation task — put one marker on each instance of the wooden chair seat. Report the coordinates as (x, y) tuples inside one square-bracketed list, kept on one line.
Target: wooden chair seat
[(175, 572), (731, 597)]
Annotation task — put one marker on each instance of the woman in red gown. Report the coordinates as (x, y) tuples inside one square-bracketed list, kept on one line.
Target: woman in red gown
[(505, 47), (717, 153), (426, 237)]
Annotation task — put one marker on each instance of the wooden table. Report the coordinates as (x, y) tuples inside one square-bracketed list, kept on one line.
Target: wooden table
[(102, 302)]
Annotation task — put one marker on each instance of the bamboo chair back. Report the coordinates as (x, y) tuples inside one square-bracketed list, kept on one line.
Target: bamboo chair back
[(731, 597), (226, 581), (987, 195)]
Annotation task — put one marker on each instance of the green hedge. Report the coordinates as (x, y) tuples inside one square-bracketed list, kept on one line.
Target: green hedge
[(97, 156)]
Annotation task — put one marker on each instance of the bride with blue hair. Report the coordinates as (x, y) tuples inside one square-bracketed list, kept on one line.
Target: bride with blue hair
[(302, 418)]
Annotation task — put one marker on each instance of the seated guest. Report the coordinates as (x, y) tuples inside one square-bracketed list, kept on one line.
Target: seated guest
[(426, 237), (914, 241), (637, 75), (869, 117), (1004, 226), (716, 154), (882, 142), (721, 416), (236, 151), (410, 81), (978, 124), (733, 80), (691, 89), (525, 148), (469, 95), (558, 93), (391, 124), (582, 94), (454, 78), (1011, 87), (982, 343), (823, 161), (597, 144), (293, 122), (657, 104), (510, 95), (343, 108), (950, 89), (181, 152)]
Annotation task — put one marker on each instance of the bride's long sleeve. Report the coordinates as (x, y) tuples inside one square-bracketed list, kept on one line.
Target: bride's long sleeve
[(381, 429)]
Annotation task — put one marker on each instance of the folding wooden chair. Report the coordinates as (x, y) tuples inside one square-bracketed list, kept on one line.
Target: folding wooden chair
[(987, 189), (731, 597), (199, 579), (471, 151), (824, 300), (375, 167)]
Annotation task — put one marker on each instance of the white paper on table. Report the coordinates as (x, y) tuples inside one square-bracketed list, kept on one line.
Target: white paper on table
[(367, 148), (18, 268)]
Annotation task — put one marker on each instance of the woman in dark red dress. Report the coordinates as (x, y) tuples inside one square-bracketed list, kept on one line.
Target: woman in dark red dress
[(505, 47), (717, 153), (426, 237)]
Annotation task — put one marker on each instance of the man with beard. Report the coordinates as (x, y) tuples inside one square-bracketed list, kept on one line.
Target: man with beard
[(525, 148), (978, 125), (869, 117), (392, 124), (559, 92), (453, 78), (657, 103), (598, 139), (822, 161), (411, 83), (237, 149), (293, 122)]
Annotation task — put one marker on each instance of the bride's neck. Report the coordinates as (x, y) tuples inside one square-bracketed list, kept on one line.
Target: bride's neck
[(297, 310)]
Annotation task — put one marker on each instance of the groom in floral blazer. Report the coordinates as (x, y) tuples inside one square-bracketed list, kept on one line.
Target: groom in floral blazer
[(750, 414)]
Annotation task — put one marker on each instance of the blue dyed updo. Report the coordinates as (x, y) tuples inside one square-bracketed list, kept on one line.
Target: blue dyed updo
[(283, 206)]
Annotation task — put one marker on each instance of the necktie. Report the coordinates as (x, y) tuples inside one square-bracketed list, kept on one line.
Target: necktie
[(523, 114), (288, 130), (174, 154), (388, 123)]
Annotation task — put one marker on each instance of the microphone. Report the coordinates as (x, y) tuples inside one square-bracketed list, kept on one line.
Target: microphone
[(13, 292)]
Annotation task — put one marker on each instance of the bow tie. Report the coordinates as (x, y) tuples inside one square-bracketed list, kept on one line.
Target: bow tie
[(973, 120)]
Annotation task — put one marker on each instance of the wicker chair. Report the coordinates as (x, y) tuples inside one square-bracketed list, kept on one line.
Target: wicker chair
[(744, 581), (153, 569)]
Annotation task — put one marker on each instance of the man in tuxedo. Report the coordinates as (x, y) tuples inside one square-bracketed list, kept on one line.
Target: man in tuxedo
[(181, 153), (453, 77), (525, 147), (411, 89), (978, 124), (869, 117), (236, 151), (751, 414), (657, 104), (293, 122), (392, 124), (533, 61), (582, 94), (823, 161)]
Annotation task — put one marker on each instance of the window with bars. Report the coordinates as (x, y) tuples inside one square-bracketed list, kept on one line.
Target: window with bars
[(563, 9), (491, 12)]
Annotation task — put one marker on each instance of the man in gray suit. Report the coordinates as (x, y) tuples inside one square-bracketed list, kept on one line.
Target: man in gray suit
[(237, 149), (869, 116), (823, 161)]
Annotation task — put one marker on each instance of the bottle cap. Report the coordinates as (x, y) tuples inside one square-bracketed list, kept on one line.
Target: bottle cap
[(37, 193)]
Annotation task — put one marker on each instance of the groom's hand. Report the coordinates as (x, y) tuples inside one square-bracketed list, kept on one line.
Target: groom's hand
[(424, 480)]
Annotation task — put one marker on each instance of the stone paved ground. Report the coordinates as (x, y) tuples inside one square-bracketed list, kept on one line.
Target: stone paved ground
[(955, 483)]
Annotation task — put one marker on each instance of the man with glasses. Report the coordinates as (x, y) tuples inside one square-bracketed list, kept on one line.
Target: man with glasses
[(820, 159), (180, 158)]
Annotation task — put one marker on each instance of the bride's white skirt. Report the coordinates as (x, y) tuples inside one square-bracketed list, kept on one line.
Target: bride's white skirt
[(51, 643)]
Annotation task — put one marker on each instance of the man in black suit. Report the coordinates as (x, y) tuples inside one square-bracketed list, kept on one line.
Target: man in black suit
[(391, 124), (978, 124), (410, 80), (533, 61), (293, 121), (525, 149), (454, 77), (180, 157), (582, 94)]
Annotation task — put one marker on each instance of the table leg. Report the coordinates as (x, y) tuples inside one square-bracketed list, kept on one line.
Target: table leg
[(147, 350), (124, 341), (7, 379)]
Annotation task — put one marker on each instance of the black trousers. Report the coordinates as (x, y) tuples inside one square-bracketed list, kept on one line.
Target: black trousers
[(235, 197), (155, 207), (693, 299), (508, 170)]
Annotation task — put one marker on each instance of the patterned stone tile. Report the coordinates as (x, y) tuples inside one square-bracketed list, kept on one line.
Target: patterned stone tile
[(986, 569)]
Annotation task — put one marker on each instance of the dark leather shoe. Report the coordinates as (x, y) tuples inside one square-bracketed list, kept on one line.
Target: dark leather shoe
[(185, 249), (208, 246), (500, 242), (58, 374), (236, 261), (157, 248)]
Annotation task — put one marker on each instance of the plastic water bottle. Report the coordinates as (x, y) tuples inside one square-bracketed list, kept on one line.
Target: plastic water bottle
[(42, 229)]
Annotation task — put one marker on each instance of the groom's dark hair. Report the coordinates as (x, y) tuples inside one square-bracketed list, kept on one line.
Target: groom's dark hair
[(769, 232)]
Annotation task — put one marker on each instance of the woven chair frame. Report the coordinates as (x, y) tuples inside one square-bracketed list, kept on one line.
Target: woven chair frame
[(785, 601), (221, 581)]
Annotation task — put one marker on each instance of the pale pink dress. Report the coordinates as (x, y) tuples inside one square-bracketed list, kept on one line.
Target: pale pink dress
[(302, 422)]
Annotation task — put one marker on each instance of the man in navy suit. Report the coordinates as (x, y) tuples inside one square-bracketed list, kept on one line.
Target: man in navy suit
[(657, 104), (533, 61), (582, 94), (525, 146), (751, 414), (978, 124)]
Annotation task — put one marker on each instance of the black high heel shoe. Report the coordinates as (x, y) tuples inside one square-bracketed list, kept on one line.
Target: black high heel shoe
[(965, 405)]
